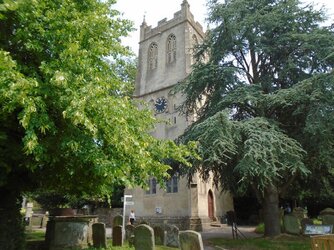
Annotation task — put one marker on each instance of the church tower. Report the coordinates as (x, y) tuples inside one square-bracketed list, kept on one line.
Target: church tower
[(164, 59)]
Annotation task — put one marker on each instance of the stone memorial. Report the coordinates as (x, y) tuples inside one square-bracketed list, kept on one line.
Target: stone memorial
[(99, 235), (327, 219), (291, 224), (130, 234), (327, 211), (117, 221), (144, 238), (129, 231), (117, 236), (68, 232), (190, 240), (172, 236), (299, 212), (159, 235)]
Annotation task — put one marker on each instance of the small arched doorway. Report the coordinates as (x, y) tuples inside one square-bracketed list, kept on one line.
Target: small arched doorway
[(210, 205)]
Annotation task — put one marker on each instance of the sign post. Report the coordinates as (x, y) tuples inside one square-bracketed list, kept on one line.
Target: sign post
[(126, 202)]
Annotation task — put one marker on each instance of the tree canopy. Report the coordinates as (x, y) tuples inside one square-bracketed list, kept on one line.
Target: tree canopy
[(67, 119), (262, 90)]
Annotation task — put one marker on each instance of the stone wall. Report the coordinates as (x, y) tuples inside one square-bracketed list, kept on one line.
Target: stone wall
[(182, 222), (106, 215)]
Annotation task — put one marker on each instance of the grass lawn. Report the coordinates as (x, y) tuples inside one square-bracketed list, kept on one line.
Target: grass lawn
[(35, 240), (283, 242)]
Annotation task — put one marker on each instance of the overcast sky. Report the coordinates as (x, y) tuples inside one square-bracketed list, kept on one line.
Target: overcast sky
[(156, 10)]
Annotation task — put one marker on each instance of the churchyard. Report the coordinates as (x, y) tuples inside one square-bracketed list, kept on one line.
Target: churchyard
[(298, 232), (283, 242)]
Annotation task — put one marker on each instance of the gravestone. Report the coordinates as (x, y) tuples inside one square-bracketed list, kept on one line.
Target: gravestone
[(190, 240), (144, 238), (299, 212), (99, 235), (159, 235), (130, 234), (117, 221), (327, 211), (327, 219), (129, 230), (117, 236), (172, 236), (291, 224)]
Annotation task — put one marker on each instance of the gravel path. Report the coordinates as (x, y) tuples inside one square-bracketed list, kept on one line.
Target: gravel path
[(225, 231)]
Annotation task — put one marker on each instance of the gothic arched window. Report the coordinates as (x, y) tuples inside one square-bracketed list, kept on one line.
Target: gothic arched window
[(194, 40), (152, 185), (194, 43), (171, 48), (153, 56)]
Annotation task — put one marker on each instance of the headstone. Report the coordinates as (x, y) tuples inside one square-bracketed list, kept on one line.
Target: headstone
[(44, 220), (291, 224), (327, 219), (172, 236), (129, 230), (159, 235), (28, 215), (190, 240), (49, 233), (117, 236), (117, 221), (327, 211), (130, 234), (99, 235), (144, 238), (299, 212)]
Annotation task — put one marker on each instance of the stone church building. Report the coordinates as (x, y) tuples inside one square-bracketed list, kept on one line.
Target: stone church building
[(165, 57)]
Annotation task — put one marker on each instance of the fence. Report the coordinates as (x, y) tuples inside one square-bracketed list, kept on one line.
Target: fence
[(322, 242)]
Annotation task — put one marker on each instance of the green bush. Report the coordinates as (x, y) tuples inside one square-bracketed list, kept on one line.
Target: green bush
[(260, 228)]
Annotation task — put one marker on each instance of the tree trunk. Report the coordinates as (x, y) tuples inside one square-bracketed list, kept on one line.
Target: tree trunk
[(11, 222), (271, 213)]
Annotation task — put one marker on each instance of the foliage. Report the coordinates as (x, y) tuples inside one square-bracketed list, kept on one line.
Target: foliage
[(283, 242), (262, 92), (259, 228), (67, 119)]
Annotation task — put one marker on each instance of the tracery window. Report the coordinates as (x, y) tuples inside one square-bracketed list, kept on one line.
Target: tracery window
[(171, 48), (194, 43), (152, 184), (153, 56), (194, 40), (172, 185)]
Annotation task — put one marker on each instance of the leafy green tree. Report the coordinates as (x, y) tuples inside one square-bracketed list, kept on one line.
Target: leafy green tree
[(67, 121), (262, 92)]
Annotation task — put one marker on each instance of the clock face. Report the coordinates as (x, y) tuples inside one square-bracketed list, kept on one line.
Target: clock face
[(160, 105)]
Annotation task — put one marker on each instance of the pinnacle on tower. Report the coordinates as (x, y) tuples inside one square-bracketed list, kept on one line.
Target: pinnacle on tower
[(185, 3)]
